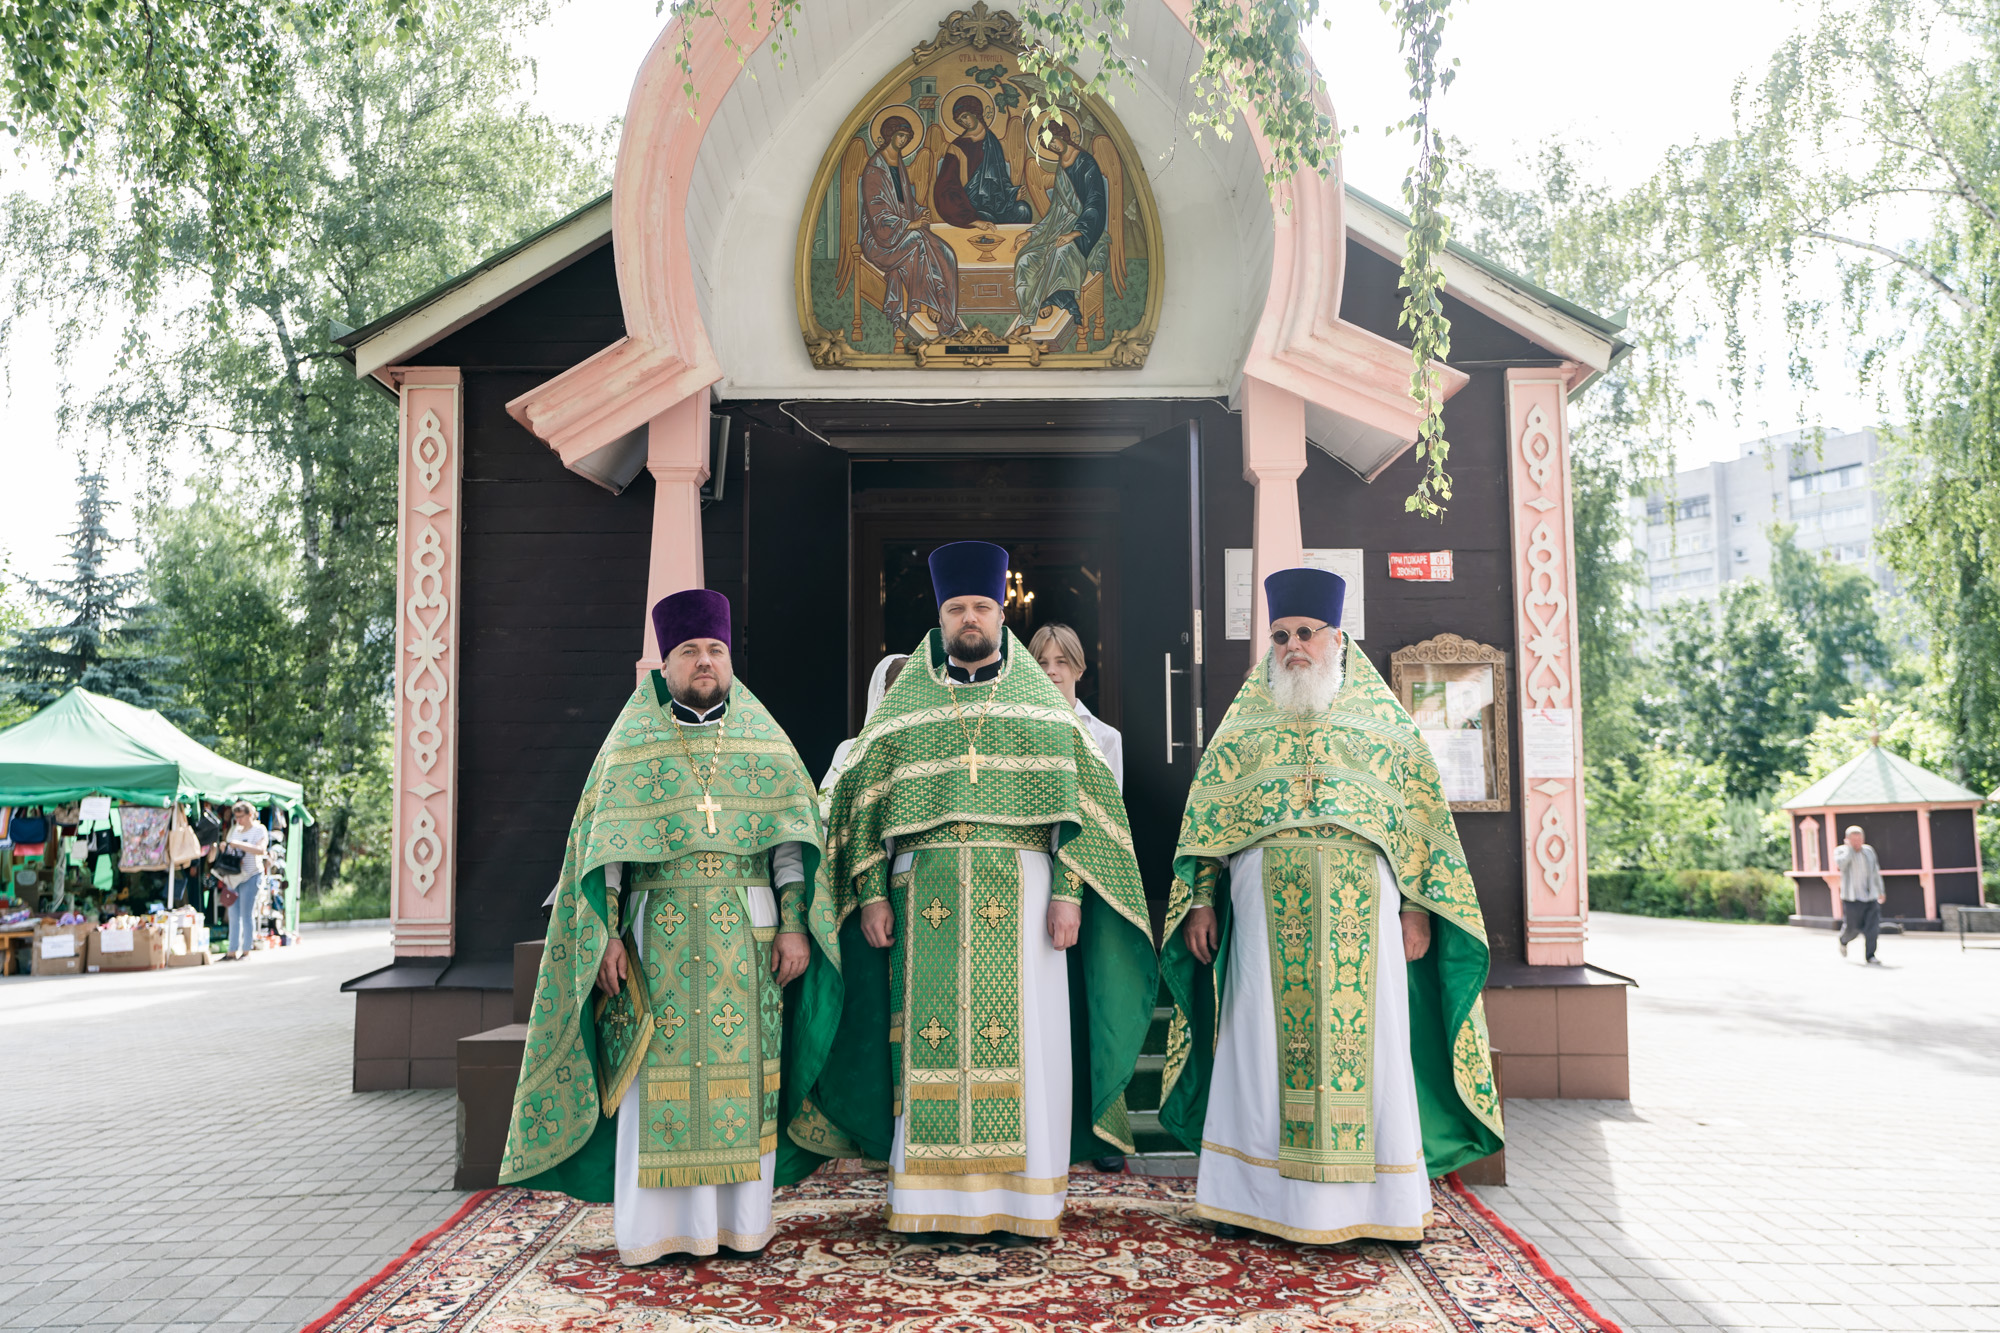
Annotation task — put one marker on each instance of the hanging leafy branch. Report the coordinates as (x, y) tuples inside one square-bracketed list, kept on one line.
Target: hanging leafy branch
[(779, 17), (1422, 25), (185, 95), (1254, 64)]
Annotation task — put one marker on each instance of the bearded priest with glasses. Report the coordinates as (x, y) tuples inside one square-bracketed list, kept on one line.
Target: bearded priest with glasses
[(1325, 952), (651, 1076), (991, 964)]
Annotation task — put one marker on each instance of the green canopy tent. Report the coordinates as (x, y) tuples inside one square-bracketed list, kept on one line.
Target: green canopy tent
[(86, 744)]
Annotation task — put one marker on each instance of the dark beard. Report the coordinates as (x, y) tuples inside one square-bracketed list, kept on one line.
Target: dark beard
[(701, 695), (971, 645)]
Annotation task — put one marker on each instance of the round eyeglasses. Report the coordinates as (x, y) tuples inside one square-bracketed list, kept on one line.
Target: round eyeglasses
[(1281, 637)]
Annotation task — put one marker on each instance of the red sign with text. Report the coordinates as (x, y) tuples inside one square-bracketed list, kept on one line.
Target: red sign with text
[(1424, 566)]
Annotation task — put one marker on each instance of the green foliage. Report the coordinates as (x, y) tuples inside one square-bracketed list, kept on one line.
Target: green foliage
[(1739, 684), (1654, 809), (99, 640), (1876, 115), (401, 164), (184, 95), (1726, 895), (1834, 607)]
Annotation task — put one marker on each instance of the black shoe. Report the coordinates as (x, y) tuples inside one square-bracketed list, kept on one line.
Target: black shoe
[(729, 1252), (1230, 1231), (1407, 1244), (938, 1238), (1114, 1164), (1010, 1240)]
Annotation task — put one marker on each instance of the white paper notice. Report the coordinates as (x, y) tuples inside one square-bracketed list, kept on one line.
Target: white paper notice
[(1461, 761), (114, 939), (94, 807), (1463, 699), (1346, 562), (1548, 743), (1236, 591), (58, 946)]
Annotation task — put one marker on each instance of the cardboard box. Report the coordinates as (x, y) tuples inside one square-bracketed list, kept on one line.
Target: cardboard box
[(61, 951), (127, 949), (187, 946)]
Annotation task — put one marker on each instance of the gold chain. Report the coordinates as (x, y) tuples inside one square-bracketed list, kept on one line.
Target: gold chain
[(971, 736), (714, 754)]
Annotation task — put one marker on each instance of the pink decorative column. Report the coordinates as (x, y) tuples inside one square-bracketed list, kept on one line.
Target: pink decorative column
[(425, 802), (677, 456), (1927, 872), (1274, 454), (1545, 667)]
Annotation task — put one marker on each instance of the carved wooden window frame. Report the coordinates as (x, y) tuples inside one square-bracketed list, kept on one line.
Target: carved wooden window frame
[(1453, 650)]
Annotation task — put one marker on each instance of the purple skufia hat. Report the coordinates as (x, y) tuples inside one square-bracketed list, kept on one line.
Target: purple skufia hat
[(697, 613), (1314, 593), (969, 569)]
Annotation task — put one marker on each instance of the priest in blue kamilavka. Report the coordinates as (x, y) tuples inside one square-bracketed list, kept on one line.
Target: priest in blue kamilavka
[(1325, 952), (652, 1073), (986, 947)]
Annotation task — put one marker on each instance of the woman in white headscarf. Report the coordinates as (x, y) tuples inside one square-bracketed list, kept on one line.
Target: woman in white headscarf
[(1059, 653), (879, 682)]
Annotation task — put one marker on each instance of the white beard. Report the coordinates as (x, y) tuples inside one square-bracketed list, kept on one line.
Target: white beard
[(1306, 689)]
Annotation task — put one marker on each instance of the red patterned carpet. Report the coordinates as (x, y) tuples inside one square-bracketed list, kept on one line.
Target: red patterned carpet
[(1129, 1258)]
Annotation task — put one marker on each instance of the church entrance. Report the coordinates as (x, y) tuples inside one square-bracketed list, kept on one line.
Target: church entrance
[(1105, 539)]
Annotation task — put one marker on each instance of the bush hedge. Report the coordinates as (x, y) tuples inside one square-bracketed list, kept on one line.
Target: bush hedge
[(1732, 895)]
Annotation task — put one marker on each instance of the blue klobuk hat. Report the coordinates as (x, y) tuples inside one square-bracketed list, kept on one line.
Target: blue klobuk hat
[(1317, 593), (969, 569)]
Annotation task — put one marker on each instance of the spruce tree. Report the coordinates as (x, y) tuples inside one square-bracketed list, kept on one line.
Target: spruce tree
[(99, 642)]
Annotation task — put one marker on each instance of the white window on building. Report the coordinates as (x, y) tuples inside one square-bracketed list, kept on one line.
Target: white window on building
[(1736, 520), (1686, 578), (1850, 553), (1695, 507), (1742, 555), (1656, 513), (1832, 479), (1839, 516)]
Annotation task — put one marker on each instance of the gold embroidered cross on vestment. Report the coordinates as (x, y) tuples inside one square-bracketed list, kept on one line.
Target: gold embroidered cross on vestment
[(707, 805), (973, 758)]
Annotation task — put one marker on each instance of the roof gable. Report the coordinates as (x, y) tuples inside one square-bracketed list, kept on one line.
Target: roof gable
[(1878, 777)]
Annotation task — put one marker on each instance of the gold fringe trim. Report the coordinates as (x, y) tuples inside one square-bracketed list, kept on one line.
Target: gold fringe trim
[(1300, 1236), (657, 1090), (729, 1087), (932, 1092), (979, 1184), (916, 1223), (1329, 1173), (697, 1245), (1272, 1164), (970, 1166), (987, 1091), (635, 1060), (680, 1177)]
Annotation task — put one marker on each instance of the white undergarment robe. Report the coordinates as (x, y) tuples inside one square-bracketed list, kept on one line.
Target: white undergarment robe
[(1239, 1181), (1027, 1203), (692, 1219)]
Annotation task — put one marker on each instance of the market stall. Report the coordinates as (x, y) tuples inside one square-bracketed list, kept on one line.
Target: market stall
[(107, 823)]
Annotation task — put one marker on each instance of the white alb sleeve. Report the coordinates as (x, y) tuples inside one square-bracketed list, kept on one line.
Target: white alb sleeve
[(788, 865)]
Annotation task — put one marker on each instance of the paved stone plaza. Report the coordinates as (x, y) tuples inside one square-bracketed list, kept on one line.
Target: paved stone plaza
[(1808, 1144)]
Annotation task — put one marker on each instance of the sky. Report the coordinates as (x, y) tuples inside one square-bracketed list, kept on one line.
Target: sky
[(1626, 80)]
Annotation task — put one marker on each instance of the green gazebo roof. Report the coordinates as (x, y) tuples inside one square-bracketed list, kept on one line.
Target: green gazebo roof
[(1877, 777)]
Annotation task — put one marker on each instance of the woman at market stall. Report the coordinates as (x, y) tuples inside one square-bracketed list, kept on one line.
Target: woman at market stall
[(247, 839)]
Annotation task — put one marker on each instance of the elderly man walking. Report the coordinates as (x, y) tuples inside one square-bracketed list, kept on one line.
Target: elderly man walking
[(1860, 891)]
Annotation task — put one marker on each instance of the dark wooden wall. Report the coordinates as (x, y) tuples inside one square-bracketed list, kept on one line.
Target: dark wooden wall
[(552, 569)]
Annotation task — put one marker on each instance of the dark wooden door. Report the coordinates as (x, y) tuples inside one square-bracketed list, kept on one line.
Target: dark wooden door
[(1159, 618), (792, 649)]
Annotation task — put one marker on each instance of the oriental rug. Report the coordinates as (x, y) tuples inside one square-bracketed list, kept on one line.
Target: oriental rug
[(1130, 1257)]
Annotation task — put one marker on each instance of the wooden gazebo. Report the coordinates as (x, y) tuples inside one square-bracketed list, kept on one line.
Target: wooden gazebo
[(1920, 824)]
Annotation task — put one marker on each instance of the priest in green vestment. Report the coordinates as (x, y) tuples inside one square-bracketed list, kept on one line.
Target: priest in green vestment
[(652, 1073), (1325, 952), (985, 937)]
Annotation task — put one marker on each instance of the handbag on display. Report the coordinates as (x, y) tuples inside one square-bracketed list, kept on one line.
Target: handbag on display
[(208, 828), (182, 845), (29, 828)]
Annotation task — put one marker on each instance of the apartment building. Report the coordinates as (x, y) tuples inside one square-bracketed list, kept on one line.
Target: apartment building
[(1714, 525)]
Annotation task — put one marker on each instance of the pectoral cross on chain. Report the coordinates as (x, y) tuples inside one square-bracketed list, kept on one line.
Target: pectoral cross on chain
[(708, 807), (972, 762)]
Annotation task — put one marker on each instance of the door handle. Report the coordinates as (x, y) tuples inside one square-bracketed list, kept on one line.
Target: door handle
[(1167, 696)]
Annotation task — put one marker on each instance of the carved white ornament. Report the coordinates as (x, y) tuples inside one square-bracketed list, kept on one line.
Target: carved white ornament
[(428, 450), (1546, 606), (427, 686), (424, 852), (1552, 844), (1538, 446)]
